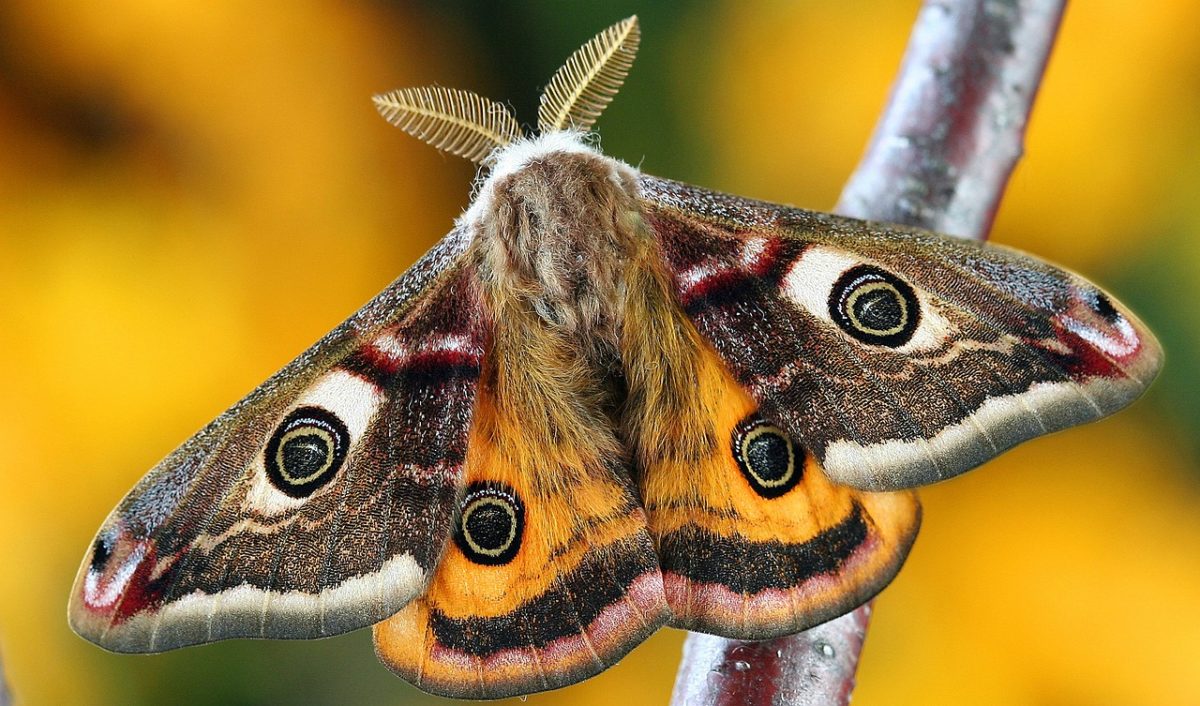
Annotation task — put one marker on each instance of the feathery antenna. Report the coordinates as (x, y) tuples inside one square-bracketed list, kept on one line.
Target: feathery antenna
[(471, 126), (458, 122), (584, 86)]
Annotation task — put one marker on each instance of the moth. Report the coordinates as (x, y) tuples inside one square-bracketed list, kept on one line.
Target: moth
[(603, 403)]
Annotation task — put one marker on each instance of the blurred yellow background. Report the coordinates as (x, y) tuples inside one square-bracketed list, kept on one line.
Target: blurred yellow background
[(190, 194)]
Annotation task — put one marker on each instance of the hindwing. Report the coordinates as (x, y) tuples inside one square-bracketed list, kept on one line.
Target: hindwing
[(551, 576), (754, 540)]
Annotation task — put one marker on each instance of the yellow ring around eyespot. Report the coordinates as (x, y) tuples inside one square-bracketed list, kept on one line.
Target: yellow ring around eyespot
[(754, 434), (304, 431), (871, 287), (512, 525)]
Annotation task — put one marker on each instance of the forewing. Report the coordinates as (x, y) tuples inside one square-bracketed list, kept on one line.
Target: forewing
[(318, 504), (897, 356)]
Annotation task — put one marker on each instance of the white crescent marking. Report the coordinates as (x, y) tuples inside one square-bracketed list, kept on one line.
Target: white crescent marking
[(353, 399), (1008, 420), (201, 617), (810, 281)]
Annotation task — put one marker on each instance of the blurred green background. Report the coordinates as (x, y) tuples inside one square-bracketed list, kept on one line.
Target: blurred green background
[(191, 193)]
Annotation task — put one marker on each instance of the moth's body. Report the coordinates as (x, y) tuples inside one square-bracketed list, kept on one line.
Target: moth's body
[(553, 246), (604, 403), (589, 350)]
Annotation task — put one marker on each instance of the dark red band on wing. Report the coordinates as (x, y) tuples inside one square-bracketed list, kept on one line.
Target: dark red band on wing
[(1083, 360), (138, 589), (1099, 337), (429, 368), (715, 281), (721, 288), (143, 592)]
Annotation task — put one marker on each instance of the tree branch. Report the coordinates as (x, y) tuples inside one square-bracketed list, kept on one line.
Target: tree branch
[(940, 159), (814, 667), (945, 146)]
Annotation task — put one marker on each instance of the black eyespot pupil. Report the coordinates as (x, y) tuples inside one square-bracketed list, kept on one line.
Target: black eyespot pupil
[(306, 451), (879, 309), (768, 456), (101, 553), (874, 306), (769, 461), (305, 455), (489, 526)]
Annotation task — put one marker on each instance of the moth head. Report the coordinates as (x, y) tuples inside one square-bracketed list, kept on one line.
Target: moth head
[(468, 125)]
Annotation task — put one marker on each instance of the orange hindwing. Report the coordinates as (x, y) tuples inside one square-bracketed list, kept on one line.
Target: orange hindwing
[(754, 540)]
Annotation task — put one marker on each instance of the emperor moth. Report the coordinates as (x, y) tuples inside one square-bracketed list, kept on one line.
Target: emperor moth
[(605, 402)]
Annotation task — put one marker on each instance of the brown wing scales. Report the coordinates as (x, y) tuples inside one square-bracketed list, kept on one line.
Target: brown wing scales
[(317, 505)]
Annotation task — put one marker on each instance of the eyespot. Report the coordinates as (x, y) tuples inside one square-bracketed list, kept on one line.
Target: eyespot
[(306, 451), (1103, 307), (101, 553), (490, 525), (768, 459), (874, 306)]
